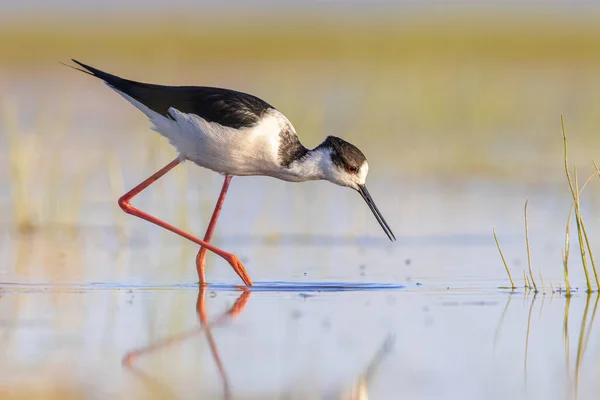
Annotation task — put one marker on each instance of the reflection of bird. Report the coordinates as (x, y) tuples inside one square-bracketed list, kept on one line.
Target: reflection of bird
[(234, 133), (357, 390)]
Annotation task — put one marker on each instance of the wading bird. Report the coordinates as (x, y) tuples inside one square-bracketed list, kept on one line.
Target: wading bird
[(235, 134)]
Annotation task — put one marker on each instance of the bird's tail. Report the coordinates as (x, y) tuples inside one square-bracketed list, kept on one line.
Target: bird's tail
[(135, 92), (111, 80)]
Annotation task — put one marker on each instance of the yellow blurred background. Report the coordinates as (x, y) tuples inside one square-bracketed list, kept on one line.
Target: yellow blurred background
[(430, 92), (438, 91)]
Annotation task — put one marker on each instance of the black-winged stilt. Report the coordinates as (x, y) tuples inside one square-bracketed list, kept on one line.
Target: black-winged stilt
[(234, 133)]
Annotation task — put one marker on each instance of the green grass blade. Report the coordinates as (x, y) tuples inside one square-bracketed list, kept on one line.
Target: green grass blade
[(512, 284), (535, 289)]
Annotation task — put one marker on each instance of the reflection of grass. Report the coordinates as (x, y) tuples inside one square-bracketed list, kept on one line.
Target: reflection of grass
[(527, 334), (591, 324), (501, 321), (580, 342), (359, 389), (566, 337), (583, 334)]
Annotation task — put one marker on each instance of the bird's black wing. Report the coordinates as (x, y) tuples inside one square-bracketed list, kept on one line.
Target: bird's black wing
[(223, 106)]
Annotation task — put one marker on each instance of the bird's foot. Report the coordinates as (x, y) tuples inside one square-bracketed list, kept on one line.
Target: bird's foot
[(238, 267)]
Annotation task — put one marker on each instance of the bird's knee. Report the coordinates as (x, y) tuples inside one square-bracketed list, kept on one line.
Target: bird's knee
[(124, 204)]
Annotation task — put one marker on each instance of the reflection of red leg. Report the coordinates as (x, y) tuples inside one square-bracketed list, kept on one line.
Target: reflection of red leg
[(132, 355), (128, 208), (233, 312), (200, 258), (205, 327), (201, 309)]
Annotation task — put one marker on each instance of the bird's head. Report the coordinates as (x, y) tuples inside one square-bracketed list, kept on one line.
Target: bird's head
[(346, 165)]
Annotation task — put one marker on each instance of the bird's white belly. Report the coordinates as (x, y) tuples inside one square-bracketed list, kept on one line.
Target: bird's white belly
[(246, 151)]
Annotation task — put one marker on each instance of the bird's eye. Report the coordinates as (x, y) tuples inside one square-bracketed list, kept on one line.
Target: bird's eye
[(352, 169)]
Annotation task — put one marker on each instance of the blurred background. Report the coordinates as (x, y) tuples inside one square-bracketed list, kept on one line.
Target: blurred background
[(456, 105)]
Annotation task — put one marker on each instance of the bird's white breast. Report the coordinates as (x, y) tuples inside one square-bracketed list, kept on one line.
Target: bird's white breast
[(246, 151)]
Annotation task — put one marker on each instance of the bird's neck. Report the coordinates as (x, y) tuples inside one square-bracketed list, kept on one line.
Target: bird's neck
[(311, 166)]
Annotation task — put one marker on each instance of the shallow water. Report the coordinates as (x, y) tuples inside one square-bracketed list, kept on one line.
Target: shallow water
[(398, 343)]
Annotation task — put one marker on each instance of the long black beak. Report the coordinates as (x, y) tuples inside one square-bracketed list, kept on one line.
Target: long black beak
[(362, 189)]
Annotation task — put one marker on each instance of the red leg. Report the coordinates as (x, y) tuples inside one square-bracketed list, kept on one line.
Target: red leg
[(200, 258), (128, 208)]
